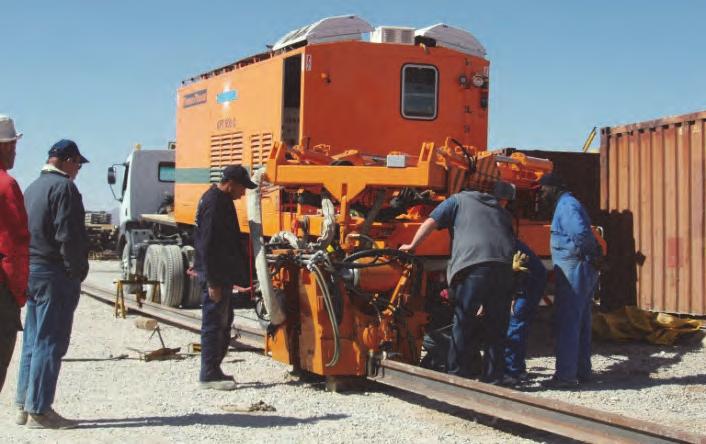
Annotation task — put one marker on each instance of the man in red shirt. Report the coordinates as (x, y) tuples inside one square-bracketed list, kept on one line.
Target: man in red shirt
[(14, 247)]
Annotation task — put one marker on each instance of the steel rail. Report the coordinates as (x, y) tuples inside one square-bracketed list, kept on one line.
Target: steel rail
[(558, 417), (249, 332)]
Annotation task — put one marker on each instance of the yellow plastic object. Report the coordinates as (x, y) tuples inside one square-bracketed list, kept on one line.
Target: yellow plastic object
[(632, 324)]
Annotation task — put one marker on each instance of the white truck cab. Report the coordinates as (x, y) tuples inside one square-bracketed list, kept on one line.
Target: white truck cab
[(149, 240), (147, 183)]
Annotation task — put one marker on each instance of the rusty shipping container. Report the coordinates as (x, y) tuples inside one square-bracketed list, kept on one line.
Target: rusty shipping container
[(652, 195)]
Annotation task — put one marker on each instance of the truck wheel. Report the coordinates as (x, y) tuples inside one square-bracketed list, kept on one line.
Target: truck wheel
[(125, 270), (192, 296), (171, 273), (150, 270)]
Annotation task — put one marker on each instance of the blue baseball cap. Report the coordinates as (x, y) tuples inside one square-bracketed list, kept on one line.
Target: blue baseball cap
[(65, 149)]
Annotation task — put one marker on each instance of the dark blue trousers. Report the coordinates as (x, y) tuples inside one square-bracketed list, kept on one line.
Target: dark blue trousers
[(489, 285), (530, 294), (53, 297), (216, 320)]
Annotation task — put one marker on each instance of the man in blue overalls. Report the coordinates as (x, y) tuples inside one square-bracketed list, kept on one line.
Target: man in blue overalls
[(530, 280), (576, 255), (528, 295)]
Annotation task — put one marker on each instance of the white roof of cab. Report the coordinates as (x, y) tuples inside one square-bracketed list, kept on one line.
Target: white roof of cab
[(345, 27), (453, 38)]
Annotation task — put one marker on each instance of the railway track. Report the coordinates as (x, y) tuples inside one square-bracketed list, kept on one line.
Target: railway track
[(558, 417)]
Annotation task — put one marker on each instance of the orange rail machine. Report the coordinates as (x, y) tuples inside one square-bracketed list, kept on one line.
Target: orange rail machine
[(353, 143)]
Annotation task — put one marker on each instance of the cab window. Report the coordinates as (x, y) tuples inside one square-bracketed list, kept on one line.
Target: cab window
[(419, 91), (166, 172)]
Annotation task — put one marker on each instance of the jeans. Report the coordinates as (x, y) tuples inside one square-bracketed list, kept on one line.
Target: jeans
[(216, 320), (520, 319), (53, 297), (573, 323), (10, 323), (489, 285)]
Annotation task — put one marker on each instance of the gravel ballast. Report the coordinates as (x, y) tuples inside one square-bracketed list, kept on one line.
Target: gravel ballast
[(118, 400)]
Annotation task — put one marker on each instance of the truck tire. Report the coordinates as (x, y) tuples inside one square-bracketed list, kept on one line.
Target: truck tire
[(125, 270), (170, 272), (192, 295), (150, 270)]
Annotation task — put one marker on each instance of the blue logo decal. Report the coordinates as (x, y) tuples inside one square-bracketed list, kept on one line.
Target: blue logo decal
[(227, 96)]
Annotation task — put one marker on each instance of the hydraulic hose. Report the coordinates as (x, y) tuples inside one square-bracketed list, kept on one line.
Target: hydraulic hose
[(328, 303), (273, 304), (288, 237), (349, 261), (328, 227)]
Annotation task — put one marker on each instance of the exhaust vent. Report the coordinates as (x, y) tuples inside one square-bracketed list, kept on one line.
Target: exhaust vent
[(260, 147), (226, 149), (393, 34)]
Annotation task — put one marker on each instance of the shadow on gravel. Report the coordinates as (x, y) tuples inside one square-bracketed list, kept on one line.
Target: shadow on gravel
[(518, 430), (257, 420)]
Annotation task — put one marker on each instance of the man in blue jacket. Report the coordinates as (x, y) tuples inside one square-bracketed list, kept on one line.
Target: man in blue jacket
[(575, 253), (58, 263), (220, 264)]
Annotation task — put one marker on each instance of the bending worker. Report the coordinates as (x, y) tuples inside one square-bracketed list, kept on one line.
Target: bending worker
[(220, 265), (576, 255), (479, 274)]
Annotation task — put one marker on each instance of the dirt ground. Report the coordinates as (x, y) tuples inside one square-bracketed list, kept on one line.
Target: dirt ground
[(118, 398)]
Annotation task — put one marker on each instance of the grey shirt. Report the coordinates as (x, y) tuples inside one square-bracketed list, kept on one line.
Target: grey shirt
[(481, 230)]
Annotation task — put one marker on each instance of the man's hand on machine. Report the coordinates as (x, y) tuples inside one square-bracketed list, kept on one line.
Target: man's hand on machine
[(239, 289), (407, 248)]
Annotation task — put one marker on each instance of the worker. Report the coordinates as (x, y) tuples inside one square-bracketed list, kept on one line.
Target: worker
[(58, 263), (14, 247), (529, 290), (479, 274), (221, 266), (530, 281), (576, 256)]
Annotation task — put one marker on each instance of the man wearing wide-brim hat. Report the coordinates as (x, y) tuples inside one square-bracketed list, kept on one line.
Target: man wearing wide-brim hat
[(14, 247), (58, 263)]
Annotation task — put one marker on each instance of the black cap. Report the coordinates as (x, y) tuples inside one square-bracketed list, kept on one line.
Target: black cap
[(238, 174), (551, 180), (65, 149), (504, 190)]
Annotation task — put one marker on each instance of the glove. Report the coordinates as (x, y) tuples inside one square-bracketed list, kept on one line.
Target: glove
[(518, 262)]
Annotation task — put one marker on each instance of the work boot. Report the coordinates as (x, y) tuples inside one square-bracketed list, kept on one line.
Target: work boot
[(224, 377), (556, 383), (50, 420), (21, 416), (224, 385)]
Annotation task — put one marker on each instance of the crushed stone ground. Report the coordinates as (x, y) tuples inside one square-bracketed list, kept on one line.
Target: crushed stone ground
[(118, 399)]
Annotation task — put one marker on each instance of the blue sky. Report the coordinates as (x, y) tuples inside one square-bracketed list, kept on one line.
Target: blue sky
[(105, 73)]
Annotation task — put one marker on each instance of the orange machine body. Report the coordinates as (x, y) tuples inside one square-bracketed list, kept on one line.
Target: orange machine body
[(331, 119), (347, 94)]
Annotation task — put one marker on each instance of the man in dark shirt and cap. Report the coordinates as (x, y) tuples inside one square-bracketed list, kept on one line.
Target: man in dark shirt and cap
[(220, 265), (58, 263), (479, 274)]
